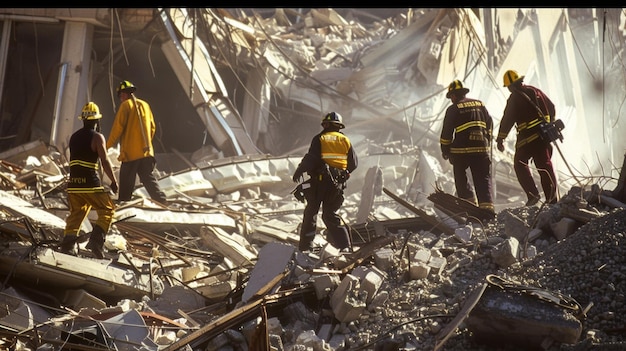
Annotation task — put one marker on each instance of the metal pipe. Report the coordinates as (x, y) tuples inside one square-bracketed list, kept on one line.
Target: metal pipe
[(57, 102)]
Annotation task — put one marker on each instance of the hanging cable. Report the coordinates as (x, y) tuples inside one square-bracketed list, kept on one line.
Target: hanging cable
[(193, 52), (119, 24), (603, 80)]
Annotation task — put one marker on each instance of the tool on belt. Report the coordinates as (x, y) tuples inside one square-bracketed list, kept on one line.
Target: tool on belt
[(300, 190), (337, 176)]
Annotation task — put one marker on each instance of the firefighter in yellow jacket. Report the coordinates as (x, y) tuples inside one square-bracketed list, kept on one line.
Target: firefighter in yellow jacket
[(466, 143), (134, 128), (329, 162)]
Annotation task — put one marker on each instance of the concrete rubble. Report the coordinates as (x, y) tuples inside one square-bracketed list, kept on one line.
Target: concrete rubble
[(223, 277), (219, 268)]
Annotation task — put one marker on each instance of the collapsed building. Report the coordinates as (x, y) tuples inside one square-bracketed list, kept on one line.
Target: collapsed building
[(237, 94)]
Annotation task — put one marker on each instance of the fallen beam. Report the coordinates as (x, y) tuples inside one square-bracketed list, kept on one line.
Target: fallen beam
[(436, 224)]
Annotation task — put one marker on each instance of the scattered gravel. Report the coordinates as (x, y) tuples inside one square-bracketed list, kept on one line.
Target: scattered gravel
[(588, 266)]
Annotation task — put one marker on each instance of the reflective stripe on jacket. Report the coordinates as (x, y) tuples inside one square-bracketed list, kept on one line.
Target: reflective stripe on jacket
[(83, 164), (466, 128), (521, 113)]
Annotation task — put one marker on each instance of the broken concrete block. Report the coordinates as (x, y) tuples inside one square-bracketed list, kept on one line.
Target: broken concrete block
[(190, 273), (372, 177), (422, 255), (563, 228), (371, 278), (437, 264), (515, 227), (337, 342), (351, 307), (505, 253), (348, 300), (419, 270), (384, 258), (531, 251), (464, 233), (325, 284), (379, 301), (349, 282), (510, 318), (309, 339)]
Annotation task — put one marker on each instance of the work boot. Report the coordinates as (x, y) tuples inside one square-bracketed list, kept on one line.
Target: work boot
[(339, 238), (96, 242), (68, 244), (532, 200), (305, 241)]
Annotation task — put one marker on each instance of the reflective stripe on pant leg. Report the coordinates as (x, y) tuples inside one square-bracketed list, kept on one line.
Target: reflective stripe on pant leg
[(79, 208)]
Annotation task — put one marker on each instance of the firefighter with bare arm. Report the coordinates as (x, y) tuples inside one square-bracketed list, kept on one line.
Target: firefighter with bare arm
[(329, 162), (84, 189), (521, 110), (466, 143)]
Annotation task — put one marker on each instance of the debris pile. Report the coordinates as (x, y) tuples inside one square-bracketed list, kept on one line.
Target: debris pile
[(210, 274)]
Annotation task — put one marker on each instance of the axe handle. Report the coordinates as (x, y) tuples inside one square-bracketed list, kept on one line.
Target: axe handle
[(146, 147)]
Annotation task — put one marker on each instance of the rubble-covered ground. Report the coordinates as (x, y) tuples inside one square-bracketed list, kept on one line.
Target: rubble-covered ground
[(571, 248), (412, 314), (587, 266)]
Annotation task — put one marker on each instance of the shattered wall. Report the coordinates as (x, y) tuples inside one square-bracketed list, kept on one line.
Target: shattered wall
[(385, 70)]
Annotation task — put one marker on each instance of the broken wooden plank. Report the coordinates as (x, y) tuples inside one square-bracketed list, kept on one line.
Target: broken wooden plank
[(237, 317), (436, 224), (455, 206), (471, 301)]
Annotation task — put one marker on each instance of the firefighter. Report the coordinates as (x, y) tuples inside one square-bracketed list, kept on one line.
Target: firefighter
[(466, 143), (134, 128), (521, 110), (84, 188), (329, 162)]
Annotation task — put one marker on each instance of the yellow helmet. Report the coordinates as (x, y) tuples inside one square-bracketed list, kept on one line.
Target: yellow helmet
[(455, 86), (90, 111), (511, 77), (124, 86)]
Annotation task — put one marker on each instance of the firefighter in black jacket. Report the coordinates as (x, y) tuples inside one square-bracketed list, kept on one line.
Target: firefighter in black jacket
[(523, 113), (466, 143), (329, 162), (84, 188)]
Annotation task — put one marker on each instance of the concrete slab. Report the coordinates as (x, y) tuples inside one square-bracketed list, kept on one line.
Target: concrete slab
[(273, 260)]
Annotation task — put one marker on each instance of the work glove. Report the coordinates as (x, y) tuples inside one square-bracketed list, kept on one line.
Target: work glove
[(500, 143), (297, 176)]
